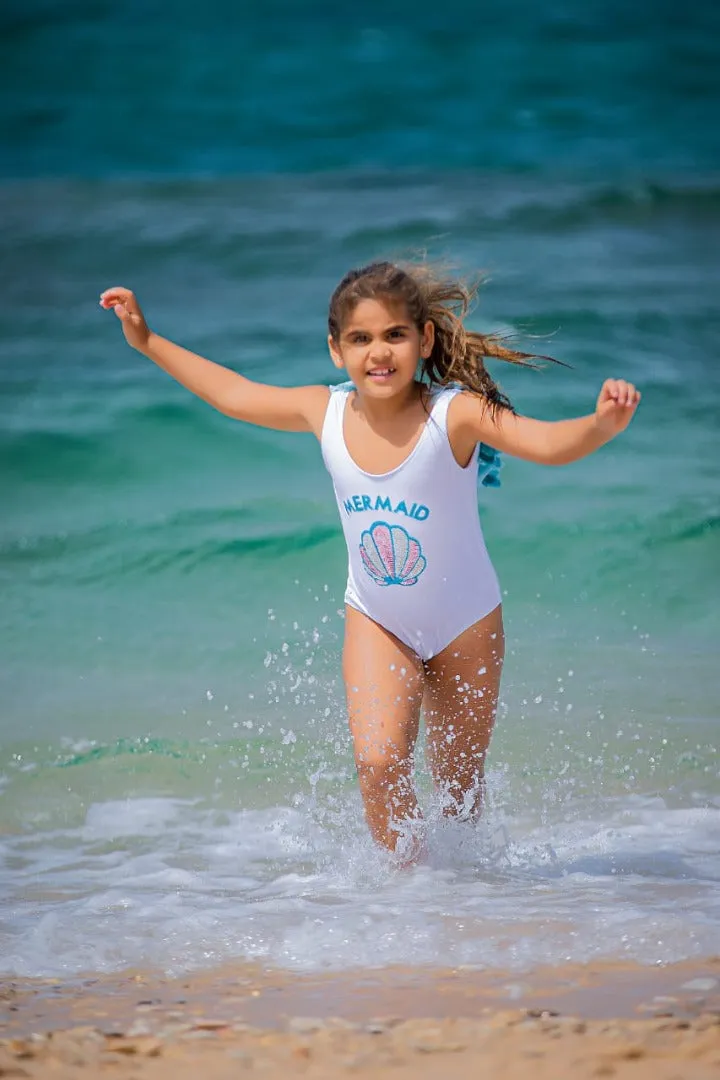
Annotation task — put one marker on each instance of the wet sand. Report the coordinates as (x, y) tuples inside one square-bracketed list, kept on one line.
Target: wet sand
[(601, 1020)]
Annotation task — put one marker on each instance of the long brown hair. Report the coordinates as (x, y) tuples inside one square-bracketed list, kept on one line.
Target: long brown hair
[(458, 355)]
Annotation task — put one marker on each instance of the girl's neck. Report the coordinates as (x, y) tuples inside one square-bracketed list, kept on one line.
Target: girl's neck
[(385, 410)]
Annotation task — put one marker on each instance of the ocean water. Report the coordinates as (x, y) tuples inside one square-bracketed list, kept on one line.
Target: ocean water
[(176, 782)]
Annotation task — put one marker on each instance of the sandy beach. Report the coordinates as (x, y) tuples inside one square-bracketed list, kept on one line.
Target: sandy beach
[(603, 1020)]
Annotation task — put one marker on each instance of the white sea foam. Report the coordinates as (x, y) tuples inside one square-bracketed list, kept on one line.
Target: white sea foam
[(168, 882)]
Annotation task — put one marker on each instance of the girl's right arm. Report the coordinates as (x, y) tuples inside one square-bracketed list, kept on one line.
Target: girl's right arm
[(299, 408)]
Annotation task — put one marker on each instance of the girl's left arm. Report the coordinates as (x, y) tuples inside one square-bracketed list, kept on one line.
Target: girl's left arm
[(547, 443)]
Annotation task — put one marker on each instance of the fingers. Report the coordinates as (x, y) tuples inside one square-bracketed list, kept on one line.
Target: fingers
[(621, 392), (111, 298)]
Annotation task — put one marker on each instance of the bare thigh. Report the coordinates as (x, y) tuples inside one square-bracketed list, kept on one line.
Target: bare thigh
[(384, 686), (462, 685)]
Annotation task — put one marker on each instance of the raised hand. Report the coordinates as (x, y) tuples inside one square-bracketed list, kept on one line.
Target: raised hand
[(616, 406), (123, 303)]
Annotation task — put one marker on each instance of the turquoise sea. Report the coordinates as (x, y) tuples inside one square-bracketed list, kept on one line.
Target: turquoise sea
[(176, 784)]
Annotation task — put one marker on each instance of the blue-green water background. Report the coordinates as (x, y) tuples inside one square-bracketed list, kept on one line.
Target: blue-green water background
[(175, 769)]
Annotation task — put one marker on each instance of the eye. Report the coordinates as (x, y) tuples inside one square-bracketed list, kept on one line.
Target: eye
[(396, 334)]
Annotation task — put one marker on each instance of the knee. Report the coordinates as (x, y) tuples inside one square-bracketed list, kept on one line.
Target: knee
[(374, 772), (382, 773)]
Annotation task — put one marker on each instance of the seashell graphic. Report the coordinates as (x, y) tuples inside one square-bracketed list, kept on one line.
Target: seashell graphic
[(390, 555)]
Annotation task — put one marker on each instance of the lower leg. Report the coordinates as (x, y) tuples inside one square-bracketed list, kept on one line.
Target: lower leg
[(383, 681), (388, 796), (461, 695)]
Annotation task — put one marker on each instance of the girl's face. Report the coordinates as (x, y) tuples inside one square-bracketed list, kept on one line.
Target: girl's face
[(380, 346)]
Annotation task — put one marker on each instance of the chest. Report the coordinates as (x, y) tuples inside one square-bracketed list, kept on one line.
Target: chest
[(382, 447)]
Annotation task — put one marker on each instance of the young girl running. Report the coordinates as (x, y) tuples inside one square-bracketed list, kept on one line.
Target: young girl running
[(423, 620)]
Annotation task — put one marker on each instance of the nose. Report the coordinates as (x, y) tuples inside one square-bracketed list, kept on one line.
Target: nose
[(380, 350)]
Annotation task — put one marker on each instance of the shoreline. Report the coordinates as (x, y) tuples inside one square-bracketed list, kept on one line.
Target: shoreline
[(599, 1019)]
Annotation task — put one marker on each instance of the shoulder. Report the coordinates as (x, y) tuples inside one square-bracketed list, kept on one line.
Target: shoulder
[(476, 412), (313, 401), (467, 410), (472, 420)]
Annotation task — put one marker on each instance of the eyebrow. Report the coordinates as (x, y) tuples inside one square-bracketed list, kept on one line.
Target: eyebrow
[(363, 330)]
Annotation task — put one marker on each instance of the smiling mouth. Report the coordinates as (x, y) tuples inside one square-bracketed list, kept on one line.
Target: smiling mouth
[(381, 373)]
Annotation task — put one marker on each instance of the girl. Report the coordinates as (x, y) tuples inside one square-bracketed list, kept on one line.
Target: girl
[(423, 615)]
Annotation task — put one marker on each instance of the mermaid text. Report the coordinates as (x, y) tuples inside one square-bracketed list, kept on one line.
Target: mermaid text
[(358, 503)]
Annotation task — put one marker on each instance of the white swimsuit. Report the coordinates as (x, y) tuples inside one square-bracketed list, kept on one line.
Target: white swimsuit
[(418, 564)]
